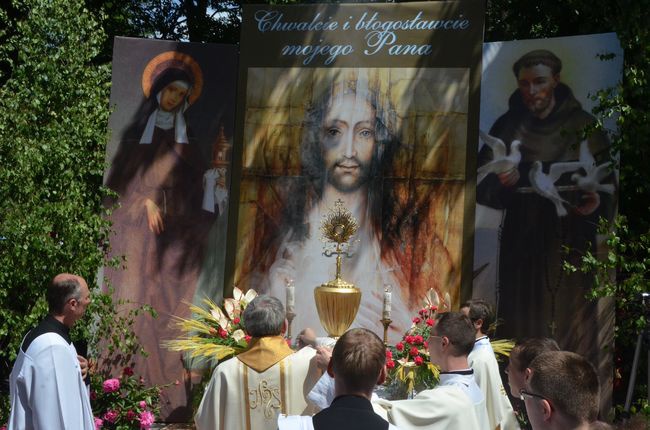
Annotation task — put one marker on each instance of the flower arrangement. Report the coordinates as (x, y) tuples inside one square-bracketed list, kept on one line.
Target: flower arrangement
[(214, 333), (408, 363), (123, 403)]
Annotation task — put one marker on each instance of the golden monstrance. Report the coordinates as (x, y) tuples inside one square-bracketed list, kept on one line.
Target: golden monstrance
[(337, 301)]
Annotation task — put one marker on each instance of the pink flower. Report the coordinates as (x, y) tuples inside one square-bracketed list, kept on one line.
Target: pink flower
[(414, 351), (177, 382), (146, 419), (111, 385), (142, 404), (111, 416), (399, 346), (127, 371), (130, 415), (430, 322), (418, 360), (98, 424), (418, 340), (433, 308), (390, 364)]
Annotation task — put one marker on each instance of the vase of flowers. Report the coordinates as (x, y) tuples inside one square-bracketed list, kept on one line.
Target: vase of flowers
[(409, 367)]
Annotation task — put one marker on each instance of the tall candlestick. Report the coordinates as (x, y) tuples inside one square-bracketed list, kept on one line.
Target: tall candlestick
[(387, 302), (290, 306), (291, 297)]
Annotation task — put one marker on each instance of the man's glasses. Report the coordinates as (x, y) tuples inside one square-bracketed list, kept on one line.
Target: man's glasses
[(523, 394)]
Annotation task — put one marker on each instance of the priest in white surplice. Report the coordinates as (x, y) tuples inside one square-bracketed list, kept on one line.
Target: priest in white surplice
[(456, 402), (251, 390), (47, 390), (486, 368)]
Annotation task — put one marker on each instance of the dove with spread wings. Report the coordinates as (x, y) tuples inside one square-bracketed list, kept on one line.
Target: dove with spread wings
[(544, 184), (502, 161), (592, 180)]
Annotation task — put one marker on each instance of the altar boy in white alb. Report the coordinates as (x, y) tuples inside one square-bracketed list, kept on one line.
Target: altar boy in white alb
[(252, 389), (486, 368), (456, 402), (47, 390)]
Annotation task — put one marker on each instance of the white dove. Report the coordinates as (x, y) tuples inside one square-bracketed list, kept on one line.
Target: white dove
[(544, 184), (501, 160), (591, 182)]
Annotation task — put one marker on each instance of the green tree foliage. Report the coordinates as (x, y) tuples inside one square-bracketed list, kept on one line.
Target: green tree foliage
[(53, 116)]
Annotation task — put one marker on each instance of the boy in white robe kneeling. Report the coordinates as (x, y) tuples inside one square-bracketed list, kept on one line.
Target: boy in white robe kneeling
[(456, 402), (357, 365)]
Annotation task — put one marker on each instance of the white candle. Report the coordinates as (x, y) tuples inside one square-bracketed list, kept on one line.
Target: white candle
[(387, 303), (291, 297)]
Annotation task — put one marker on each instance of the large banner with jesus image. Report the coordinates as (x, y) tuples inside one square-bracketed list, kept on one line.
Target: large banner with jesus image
[(169, 159), (375, 105), (545, 177)]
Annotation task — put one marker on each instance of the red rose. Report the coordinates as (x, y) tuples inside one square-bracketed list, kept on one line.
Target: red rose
[(422, 312), (418, 340), (414, 351), (408, 339), (418, 360), (248, 338), (127, 371), (389, 354), (430, 322), (417, 320), (236, 321), (426, 344), (390, 364), (223, 333), (433, 308), (399, 346)]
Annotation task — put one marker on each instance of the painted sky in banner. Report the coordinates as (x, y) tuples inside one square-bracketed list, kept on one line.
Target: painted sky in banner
[(168, 157), (374, 105)]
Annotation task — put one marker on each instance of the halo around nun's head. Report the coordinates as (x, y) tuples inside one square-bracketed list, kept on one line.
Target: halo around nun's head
[(173, 60)]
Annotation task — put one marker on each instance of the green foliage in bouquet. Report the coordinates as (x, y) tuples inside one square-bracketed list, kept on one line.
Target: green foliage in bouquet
[(213, 333), (408, 362)]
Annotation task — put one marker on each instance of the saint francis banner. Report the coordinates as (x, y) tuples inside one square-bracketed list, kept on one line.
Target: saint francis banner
[(375, 105), (545, 178), (169, 159)]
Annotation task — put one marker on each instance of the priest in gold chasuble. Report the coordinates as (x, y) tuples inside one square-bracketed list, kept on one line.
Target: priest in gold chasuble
[(252, 389)]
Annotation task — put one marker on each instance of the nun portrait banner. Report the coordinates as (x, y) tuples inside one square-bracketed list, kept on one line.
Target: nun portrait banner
[(169, 162), (373, 105)]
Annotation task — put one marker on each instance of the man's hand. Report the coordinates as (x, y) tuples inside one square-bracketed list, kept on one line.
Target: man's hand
[(306, 337), (83, 364), (590, 202), (509, 177), (154, 217), (323, 356)]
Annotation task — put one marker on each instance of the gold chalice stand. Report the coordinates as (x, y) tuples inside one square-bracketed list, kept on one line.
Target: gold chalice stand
[(337, 301)]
